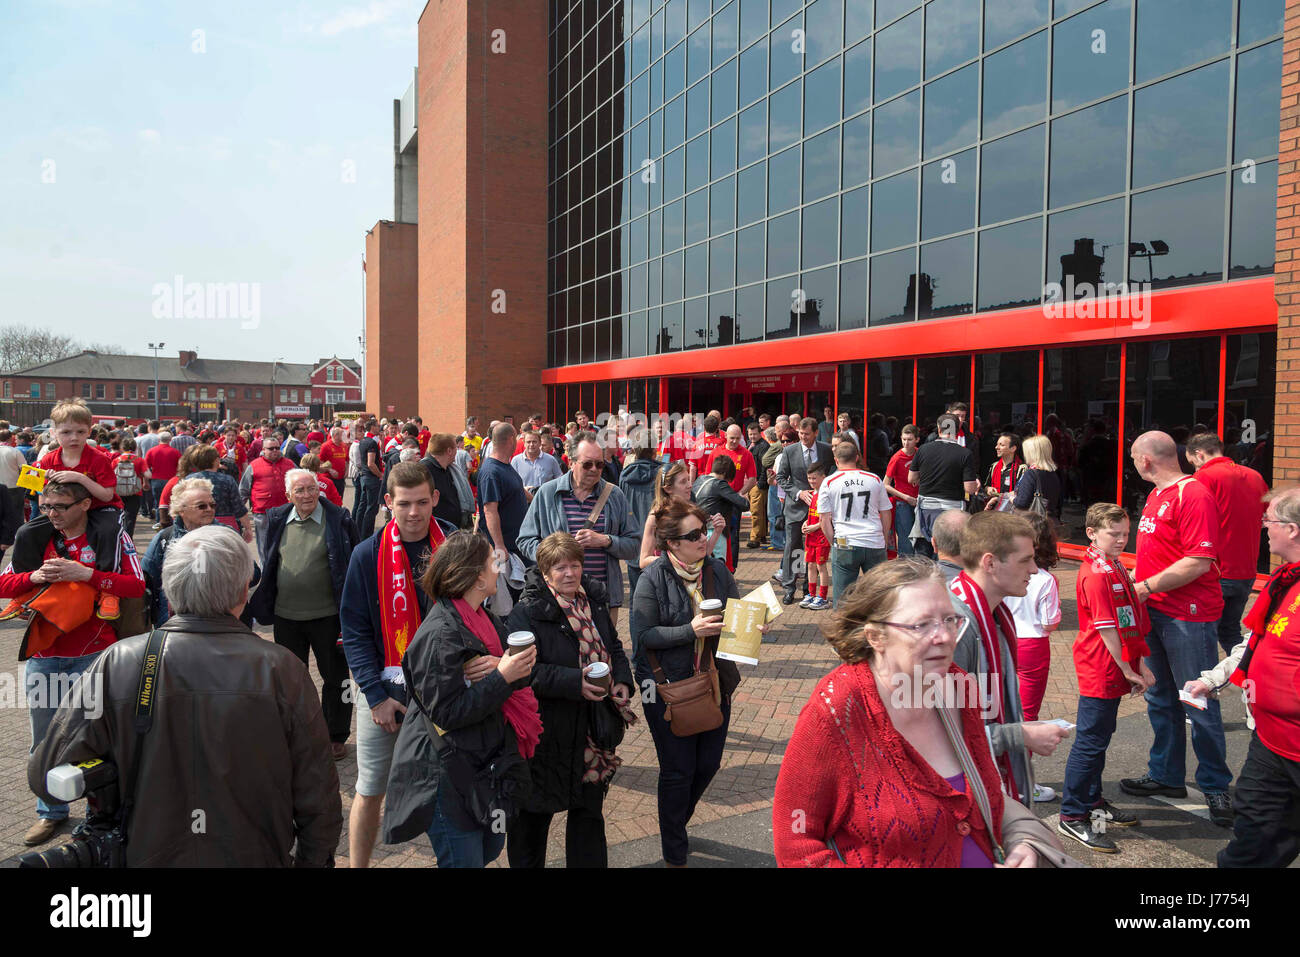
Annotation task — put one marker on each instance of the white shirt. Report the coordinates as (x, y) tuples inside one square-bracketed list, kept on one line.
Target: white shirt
[(11, 463), (1040, 609), (854, 499)]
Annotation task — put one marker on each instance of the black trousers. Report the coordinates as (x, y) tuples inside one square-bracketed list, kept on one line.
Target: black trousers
[(584, 835), (321, 635), (130, 509), (1266, 831), (686, 766)]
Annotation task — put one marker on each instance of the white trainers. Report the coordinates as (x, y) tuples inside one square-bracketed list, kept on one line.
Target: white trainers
[(1043, 794), (807, 601)]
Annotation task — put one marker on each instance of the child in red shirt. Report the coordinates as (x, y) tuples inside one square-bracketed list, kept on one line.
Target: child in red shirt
[(817, 551), (1108, 663), (75, 461)]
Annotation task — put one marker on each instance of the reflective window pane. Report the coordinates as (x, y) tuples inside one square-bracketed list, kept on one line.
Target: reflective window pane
[(753, 73), (898, 57), (1007, 19), (722, 206), (821, 96), (753, 134), (1089, 150), (897, 134), (722, 319), (675, 71), (753, 21), (1011, 176), (672, 276), (853, 294), (1174, 35), (697, 216), (952, 31), (782, 300), (1006, 399), (695, 326), (751, 244), (783, 244), (1259, 102), (893, 211), (674, 230), (785, 52), (674, 123), (821, 290), (940, 381), (697, 162), (783, 175), (853, 223), (948, 195), (892, 295), (857, 21), (751, 194), (750, 310), (784, 121), (723, 95), (821, 165), (1004, 282), (1086, 64), (697, 269), (889, 391), (1254, 221), (697, 109), (725, 35), (857, 150), (722, 256), (1086, 246), (821, 232), (946, 280), (1249, 377), (697, 55), (1258, 20), (857, 79), (888, 10), (1187, 220), (722, 159), (1180, 125), (950, 111), (670, 333), (823, 25), (1081, 388), (1015, 85)]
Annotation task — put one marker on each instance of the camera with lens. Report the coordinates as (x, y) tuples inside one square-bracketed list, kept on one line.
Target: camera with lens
[(98, 841)]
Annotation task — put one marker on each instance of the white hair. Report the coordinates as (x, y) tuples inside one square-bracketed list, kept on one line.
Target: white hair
[(185, 486), (206, 572), (409, 455), (293, 475), (164, 436)]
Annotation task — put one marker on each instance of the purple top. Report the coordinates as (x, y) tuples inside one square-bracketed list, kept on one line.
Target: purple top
[(972, 855)]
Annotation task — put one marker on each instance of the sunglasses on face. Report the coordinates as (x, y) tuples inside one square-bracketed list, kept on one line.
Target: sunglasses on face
[(692, 536), (202, 506), (592, 466)]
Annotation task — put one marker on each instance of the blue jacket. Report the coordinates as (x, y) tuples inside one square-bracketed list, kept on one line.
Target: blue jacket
[(155, 598), (340, 540), (363, 636)]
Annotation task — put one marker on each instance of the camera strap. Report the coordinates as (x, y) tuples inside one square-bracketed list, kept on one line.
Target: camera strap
[(145, 695)]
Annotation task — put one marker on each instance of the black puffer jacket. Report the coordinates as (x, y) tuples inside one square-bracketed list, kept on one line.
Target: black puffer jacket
[(557, 681), (662, 613), (471, 717)]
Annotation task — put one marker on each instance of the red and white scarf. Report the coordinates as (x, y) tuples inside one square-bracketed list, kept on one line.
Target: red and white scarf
[(989, 620), (399, 602), (1132, 632), (1257, 619)]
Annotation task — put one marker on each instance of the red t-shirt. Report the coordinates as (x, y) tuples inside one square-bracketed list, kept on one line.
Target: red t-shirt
[(898, 466), (423, 438), (95, 634), (703, 449), (95, 463), (317, 436), (1182, 521), (240, 455), (162, 461), (1238, 493), (1098, 604), (335, 456), (814, 537), (677, 447), (328, 490), (745, 467), (1275, 671)]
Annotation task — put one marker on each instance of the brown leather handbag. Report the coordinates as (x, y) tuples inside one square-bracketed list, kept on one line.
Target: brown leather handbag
[(692, 705)]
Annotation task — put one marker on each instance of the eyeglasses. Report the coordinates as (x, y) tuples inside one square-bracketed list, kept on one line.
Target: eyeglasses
[(202, 506), (55, 509), (928, 628), (307, 490), (692, 536), (1266, 521), (592, 466)]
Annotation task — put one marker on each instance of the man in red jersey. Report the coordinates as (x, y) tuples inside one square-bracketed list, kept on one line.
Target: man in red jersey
[(1178, 579), (1239, 494)]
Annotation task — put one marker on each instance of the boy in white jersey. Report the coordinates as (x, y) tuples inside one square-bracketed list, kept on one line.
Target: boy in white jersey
[(856, 517)]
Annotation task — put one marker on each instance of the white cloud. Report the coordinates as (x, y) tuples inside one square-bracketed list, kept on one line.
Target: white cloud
[(356, 18)]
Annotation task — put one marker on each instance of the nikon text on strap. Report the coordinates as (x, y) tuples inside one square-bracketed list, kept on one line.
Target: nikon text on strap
[(145, 695)]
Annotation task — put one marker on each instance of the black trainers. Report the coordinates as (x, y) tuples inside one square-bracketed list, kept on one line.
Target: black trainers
[(1145, 786), (1083, 832), (1220, 805), (1116, 817)]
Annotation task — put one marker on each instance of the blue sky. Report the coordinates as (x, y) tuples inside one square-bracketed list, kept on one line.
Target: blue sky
[(229, 165)]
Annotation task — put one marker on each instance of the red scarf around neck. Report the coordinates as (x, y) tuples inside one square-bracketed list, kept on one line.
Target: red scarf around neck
[(399, 603), (1270, 597), (1133, 632), (520, 708)]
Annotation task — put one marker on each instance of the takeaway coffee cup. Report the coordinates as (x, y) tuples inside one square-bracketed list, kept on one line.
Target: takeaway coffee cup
[(518, 641), (710, 607), (598, 674)]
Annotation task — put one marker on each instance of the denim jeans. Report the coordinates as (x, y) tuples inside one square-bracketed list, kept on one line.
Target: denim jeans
[(156, 487), (904, 516), (1087, 760), (1266, 832), (367, 507), (1236, 591), (774, 508), (848, 563), (1180, 651), (41, 676), (457, 848)]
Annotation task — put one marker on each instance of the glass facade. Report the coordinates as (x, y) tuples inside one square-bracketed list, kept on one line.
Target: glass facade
[(731, 171)]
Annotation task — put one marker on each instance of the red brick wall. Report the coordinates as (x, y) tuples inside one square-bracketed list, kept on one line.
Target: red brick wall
[(1286, 433), (392, 322), (482, 175)]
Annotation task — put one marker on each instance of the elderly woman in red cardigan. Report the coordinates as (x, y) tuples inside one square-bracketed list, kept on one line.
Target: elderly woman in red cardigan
[(871, 778)]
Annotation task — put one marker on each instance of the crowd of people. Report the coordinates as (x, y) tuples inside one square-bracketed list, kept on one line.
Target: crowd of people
[(466, 606)]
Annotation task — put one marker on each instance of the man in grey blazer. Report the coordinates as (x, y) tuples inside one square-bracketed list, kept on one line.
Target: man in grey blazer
[(792, 475)]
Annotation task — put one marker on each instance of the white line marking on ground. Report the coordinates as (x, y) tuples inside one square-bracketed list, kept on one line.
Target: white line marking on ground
[(1194, 803)]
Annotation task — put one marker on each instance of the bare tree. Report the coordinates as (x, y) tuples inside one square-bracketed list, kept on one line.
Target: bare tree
[(24, 346)]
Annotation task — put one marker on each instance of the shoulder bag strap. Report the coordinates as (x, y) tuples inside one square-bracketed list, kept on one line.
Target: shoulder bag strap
[(974, 783), (146, 694), (600, 505)]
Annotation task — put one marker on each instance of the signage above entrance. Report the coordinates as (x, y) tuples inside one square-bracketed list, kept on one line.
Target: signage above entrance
[(822, 378)]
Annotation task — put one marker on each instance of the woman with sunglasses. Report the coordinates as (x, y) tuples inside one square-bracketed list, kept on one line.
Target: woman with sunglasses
[(667, 621), (872, 776), (673, 484), (192, 506)]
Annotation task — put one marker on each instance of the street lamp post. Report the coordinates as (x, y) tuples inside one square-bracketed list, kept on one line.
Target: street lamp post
[(275, 366), (155, 349)]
